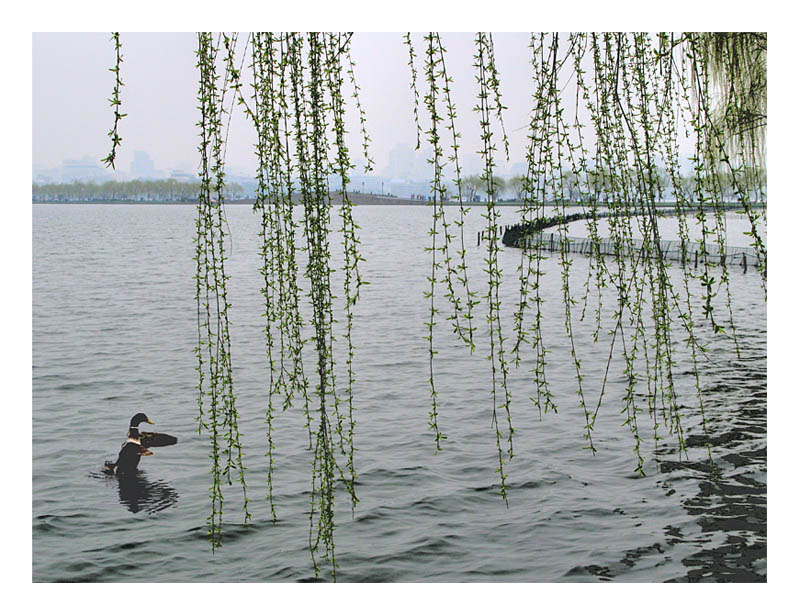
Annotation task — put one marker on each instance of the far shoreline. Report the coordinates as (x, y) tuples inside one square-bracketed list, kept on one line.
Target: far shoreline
[(336, 199), (369, 199)]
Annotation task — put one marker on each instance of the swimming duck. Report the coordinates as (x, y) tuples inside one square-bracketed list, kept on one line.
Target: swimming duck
[(136, 446)]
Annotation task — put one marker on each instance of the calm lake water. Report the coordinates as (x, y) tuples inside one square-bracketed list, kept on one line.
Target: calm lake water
[(114, 332)]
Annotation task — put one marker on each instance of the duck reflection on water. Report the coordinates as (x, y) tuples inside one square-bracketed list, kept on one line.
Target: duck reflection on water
[(137, 493)]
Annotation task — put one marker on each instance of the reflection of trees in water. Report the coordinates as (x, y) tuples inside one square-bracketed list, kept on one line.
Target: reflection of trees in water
[(137, 493)]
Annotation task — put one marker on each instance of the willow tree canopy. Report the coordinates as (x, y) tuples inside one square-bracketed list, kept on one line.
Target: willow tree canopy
[(637, 99)]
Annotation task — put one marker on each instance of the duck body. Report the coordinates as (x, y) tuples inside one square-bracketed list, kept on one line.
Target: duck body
[(128, 460), (137, 445)]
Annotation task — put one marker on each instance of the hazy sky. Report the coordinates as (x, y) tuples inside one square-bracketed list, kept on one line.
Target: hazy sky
[(72, 84)]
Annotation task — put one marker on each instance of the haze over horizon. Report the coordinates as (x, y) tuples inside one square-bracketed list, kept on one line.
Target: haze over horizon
[(72, 85)]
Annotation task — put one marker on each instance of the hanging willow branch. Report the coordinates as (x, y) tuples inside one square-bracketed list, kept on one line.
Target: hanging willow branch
[(486, 77), (213, 351), (115, 103), (298, 102)]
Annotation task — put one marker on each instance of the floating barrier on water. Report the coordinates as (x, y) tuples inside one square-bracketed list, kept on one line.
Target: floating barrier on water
[(531, 235), (689, 252)]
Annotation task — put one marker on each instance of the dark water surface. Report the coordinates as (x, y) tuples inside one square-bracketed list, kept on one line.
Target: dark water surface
[(114, 332)]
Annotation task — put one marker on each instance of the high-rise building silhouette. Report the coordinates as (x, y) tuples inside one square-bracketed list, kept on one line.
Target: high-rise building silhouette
[(142, 166)]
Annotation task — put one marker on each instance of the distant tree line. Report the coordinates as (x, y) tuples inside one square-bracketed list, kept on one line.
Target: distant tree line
[(153, 191), (473, 188), (597, 183)]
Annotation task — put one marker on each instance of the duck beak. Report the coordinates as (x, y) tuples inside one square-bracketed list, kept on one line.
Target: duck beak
[(150, 422)]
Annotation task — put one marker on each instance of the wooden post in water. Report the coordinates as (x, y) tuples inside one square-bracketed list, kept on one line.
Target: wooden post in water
[(744, 262), (695, 259)]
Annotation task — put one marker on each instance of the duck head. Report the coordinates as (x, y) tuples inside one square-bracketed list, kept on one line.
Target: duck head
[(139, 418)]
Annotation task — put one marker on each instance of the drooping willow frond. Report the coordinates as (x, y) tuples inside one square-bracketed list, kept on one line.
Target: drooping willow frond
[(116, 102), (737, 67)]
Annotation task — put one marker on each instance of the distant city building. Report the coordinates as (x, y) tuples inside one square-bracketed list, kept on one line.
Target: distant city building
[(471, 164), (519, 169), (47, 176), (407, 189), (85, 169), (408, 164), (142, 166), (183, 176), (401, 162)]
